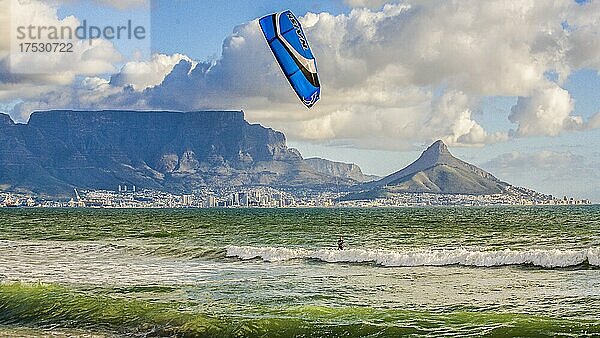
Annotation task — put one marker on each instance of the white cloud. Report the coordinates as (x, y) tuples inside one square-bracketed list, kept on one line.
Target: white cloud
[(584, 43), (146, 74), (376, 68), (47, 72), (452, 115), (549, 171), (542, 160), (366, 3), (87, 57), (545, 112), (405, 74)]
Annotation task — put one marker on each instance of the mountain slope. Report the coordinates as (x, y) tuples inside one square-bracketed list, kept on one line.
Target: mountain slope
[(340, 170), (435, 171), (171, 151)]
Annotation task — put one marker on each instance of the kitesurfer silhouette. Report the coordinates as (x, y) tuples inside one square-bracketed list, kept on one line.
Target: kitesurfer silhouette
[(341, 243)]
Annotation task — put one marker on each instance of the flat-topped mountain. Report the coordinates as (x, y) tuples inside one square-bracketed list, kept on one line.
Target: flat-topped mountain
[(171, 151), (437, 171)]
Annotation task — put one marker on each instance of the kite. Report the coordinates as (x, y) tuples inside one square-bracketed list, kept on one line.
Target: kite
[(289, 45)]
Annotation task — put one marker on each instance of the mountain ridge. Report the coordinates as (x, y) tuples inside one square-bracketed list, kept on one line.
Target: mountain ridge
[(165, 150), (436, 154), (436, 171)]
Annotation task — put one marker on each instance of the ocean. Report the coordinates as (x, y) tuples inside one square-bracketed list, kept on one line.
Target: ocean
[(421, 272)]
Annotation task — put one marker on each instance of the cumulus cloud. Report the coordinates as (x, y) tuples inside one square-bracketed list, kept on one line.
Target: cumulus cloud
[(145, 74), (31, 76), (87, 57), (392, 77), (584, 51), (545, 112), (549, 171), (543, 160), (366, 3)]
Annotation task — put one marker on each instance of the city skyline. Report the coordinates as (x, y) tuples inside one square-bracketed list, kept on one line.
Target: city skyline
[(524, 106), (436, 178)]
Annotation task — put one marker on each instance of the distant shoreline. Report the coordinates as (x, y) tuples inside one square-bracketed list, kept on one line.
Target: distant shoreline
[(311, 207)]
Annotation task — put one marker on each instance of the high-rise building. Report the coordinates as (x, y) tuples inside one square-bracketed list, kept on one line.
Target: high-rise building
[(243, 199), (211, 202), (187, 200)]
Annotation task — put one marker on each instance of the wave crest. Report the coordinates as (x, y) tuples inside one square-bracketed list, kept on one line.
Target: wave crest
[(539, 257)]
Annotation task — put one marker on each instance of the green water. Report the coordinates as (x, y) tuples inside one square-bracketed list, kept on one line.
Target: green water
[(526, 271)]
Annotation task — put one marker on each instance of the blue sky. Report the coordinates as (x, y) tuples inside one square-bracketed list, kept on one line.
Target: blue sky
[(198, 28), (203, 39), (521, 151)]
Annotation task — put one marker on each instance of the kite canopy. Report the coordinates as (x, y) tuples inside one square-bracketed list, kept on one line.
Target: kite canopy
[(290, 47)]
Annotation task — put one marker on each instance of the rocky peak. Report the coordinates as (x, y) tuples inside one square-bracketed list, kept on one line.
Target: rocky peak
[(436, 171), (437, 153), (438, 147)]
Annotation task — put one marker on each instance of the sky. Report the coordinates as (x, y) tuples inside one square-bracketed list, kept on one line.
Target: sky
[(512, 87)]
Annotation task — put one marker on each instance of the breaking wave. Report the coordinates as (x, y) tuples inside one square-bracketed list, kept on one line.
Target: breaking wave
[(539, 258)]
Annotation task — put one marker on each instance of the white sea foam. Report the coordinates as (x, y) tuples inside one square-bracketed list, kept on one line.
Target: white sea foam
[(539, 257)]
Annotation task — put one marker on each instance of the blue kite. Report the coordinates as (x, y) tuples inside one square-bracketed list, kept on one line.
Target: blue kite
[(288, 43)]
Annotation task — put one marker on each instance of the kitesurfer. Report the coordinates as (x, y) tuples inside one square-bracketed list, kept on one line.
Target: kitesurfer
[(341, 243)]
